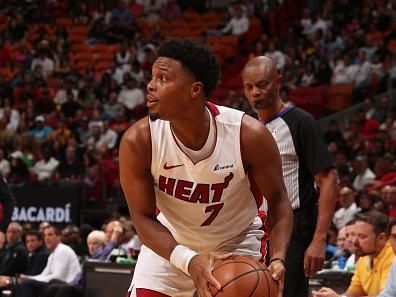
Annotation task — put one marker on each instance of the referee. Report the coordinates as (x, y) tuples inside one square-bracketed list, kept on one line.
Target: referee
[(310, 179)]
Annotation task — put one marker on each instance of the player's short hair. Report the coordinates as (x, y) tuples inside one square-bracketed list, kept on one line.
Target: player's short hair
[(196, 57)]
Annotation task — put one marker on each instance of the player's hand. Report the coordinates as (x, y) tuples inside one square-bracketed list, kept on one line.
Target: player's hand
[(278, 270), (314, 257), (200, 269), (325, 292)]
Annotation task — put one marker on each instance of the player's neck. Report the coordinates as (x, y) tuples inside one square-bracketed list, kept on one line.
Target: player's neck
[(193, 131), (266, 114)]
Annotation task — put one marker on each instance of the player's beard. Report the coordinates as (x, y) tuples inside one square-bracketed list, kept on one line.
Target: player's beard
[(154, 116)]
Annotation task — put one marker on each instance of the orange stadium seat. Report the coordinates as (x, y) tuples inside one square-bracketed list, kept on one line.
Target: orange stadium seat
[(115, 48), (53, 83), (6, 73), (77, 38), (100, 47), (103, 56), (82, 56), (339, 97), (103, 66), (392, 46), (79, 30), (191, 16), (64, 22), (80, 47)]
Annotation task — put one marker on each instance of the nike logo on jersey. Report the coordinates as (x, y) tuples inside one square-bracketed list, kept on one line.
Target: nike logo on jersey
[(166, 167)]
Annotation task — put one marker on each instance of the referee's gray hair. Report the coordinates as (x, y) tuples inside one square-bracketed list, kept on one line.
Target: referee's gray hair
[(97, 235)]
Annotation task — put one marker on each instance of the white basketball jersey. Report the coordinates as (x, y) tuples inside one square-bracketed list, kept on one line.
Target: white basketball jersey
[(212, 204)]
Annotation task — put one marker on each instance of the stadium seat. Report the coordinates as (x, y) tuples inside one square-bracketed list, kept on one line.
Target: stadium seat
[(339, 97), (64, 22)]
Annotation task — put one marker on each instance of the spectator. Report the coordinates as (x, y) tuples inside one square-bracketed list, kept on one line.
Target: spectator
[(364, 175), (350, 237), (348, 207), (238, 24), (390, 286), (172, 11), (43, 59), (365, 200), (38, 253), (41, 131), (4, 165), (131, 242), (11, 116), (131, 96), (122, 13), (113, 238), (123, 57), (95, 241), (277, 55), (102, 136), (388, 194), (344, 72), (71, 237), (70, 106), (62, 265), (45, 168), (112, 108), (338, 260), (15, 258), (373, 268), (70, 168)]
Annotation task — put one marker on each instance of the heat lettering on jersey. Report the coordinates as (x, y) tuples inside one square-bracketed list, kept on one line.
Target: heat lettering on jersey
[(193, 192)]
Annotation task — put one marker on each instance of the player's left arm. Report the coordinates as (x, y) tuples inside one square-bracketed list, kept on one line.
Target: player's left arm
[(261, 157)]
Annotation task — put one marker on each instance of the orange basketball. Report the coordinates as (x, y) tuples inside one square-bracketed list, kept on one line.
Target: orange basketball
[(242, 276)]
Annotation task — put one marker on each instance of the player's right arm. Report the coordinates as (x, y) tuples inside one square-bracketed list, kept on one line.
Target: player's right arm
[(138, 186)]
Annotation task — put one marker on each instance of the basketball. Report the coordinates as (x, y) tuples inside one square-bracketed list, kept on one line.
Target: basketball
[(241, 276)]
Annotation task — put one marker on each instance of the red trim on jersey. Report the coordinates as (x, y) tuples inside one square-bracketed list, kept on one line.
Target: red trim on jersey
[(215, 112), (262, 215), (263, 249), (212, 108), (148, 293), (255, 190)]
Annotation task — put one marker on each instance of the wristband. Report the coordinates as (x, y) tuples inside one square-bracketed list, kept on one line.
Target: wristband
[(278, 259), (181, 257)]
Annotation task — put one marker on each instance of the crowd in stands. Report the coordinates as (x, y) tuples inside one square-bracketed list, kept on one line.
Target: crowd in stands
[(48, 260), (73, 73), (73, 76)]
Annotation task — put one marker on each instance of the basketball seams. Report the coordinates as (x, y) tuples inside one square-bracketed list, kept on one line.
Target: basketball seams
[(242, 275), (257, 282)]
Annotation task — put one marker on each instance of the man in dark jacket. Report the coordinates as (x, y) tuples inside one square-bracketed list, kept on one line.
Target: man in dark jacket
[(15, 258), (38, 253)]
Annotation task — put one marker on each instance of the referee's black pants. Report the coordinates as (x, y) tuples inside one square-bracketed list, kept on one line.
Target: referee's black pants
[(296, 284)]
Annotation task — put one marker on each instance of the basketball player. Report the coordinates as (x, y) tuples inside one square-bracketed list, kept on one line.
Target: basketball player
[(306, 165), (204, 167)]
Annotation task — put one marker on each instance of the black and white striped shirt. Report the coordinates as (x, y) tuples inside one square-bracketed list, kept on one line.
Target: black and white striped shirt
[(303, 153)]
